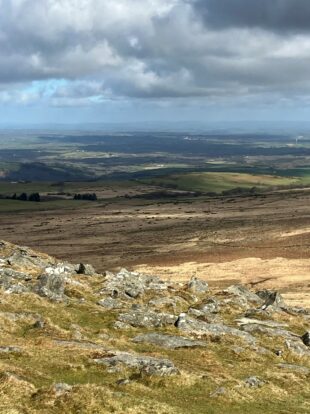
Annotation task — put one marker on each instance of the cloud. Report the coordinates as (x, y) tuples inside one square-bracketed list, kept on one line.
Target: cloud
[(84, 52), (274, 15)]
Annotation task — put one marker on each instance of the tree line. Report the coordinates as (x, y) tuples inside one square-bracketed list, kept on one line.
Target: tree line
[(87, 196), (24, 197)]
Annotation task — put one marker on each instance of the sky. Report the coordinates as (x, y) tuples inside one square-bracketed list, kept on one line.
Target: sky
[(110, 61)]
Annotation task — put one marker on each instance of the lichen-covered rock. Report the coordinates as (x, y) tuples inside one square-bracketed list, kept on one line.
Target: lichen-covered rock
[(10, 349), (13, 281), (130, 285), (210, 306), (242, 296), (23, 257), (145, 318), (297, 347), (168, 341), (253, 382), (197, 286), (197, 327), (171, 302), (51, 285), (145, 364), (61, 388), (268, 323), (260, 328), (270, 298), (16, 289), (110, 303)]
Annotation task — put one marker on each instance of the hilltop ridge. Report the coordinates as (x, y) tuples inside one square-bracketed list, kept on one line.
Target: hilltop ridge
[(76, 341)]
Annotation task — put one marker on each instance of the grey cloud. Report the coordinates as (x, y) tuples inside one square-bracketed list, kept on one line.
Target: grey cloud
[(275, 15), (156, 49)]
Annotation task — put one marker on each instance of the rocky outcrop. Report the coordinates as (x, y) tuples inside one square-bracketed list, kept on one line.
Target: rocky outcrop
[(168, 341), (126, 329), (51, 284), (145, 364), (242, 296), (145, 318), (200, 328), (86, 269), (130, 285), (197, 286), (270, 299)]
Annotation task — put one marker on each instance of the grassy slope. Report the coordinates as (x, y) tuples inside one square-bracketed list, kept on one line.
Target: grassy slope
[(219, 181), (203, 371), (44, 363)]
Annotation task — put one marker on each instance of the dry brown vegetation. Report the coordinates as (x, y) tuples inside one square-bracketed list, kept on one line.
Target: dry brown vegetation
[(262, 240)]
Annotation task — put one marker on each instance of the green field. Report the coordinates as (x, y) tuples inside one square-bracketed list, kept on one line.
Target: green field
[(20, 206), (222, 181)]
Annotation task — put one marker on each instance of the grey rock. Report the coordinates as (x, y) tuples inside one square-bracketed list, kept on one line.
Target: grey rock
[(25, 257), (197, 327), (10, 349), (10, 280), (168, 341), (51, 285), (259, 312), (207, 311), (173, 302), (110, 303), (7, 274), (261, 329), (205, 316), (210, 306), (128, 285), (254, 382), (268, 323), (270, 298), (121, 325), (62, 388), (145, 364), (197, 286), (219, 391), (295, 310), (60, 269), (17, 289), (244, 295), (306, 338), (86, 269), (297, 347), (104, 336), (196, 313), (147, 318)]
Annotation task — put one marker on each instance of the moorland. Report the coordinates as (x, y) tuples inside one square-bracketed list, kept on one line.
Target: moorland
[(231, 207)]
